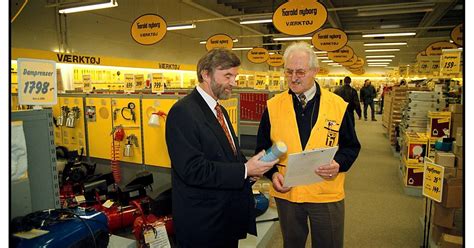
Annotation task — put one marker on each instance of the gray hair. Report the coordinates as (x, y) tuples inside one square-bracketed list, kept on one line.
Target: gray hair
[(302, 47)]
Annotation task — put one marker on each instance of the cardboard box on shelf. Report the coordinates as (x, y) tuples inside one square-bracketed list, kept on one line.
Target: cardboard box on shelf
[(458, 137), (437, 231), (459, 173), (459, 161), (439, 124), (450, 172), (412, 174), (456, 108), (443, 216), (446, 159), (457, 150), (415, 147), (450, 241), (452, 193)]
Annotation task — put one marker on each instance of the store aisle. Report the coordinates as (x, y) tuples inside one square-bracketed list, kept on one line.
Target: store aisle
[(378, 213)]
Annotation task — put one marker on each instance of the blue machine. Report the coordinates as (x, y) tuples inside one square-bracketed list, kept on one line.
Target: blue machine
[(67, 228)]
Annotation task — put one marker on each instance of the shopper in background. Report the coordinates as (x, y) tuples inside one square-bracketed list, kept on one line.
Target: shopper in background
[(307, 117), (349, 95), (367, 95), (213, 204)]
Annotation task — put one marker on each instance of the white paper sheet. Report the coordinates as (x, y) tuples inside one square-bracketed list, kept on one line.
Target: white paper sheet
[(301, 166)]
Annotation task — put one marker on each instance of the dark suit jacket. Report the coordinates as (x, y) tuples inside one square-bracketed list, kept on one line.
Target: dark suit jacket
[(212, 202)]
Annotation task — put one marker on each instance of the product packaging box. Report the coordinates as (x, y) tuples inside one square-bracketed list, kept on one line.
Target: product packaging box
[(455, 108), (452, 193), (443, 216), (451, 241), (412, 174), (415, 147), (446, 159), (459, 162), (423, 96), (439, 124)]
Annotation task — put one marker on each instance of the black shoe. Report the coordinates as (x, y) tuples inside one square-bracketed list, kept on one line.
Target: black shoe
[(365, 119), (373, 119)]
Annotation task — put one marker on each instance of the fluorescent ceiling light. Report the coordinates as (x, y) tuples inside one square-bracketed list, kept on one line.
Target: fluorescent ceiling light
[(181, 26), (256, 21), (382, 50), (323, 57), (379, 60), (333, 63), (292, 38), (327, 61), (271, 53), (377, 65), (393, 11), (241, 48), (320, 52), (203, 42), (389, 34), (338, 65), (103, 5), (386, 44), (390, 26), (379, 56), (451, 41)]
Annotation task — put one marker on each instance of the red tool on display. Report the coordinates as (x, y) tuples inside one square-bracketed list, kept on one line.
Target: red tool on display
[(118, 135), (148, 222)]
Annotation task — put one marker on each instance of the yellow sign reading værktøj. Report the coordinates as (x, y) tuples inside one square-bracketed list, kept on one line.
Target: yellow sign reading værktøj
[(219, 41), (329, 39), (433, 176), (299, 17), (37, 82), (148, 29), (257, 55), (435, 49)]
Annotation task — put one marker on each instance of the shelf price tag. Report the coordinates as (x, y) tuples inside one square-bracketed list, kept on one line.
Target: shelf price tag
[(86, 83), (450, 62), (433, 177), (157, 85), (274, 84), (251, 81), (259, 82), (241, 81), (139, 82), (37, 83), (129, 85)]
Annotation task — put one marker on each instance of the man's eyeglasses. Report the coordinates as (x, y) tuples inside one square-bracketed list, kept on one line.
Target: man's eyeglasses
[(299, 73)]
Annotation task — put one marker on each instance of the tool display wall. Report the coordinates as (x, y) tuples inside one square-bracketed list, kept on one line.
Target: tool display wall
[(90, 122)]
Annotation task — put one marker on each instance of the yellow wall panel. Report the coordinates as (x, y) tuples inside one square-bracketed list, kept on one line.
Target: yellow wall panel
[(99, 138), (119, 106), (156, 152)]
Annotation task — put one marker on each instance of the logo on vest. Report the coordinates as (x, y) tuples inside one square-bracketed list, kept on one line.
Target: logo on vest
[(332, 134)]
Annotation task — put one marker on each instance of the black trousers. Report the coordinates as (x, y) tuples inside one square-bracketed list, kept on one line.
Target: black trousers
[(326, 221), (372, 109)]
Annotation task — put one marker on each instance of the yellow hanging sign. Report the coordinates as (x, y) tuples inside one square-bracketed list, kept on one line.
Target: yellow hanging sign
[(433, 177), (37, 83), (457, 34), (323, 71), (128, 85), (435, 49), (219, 41), (260, 81), (450, 62), (139, 82), (157, 83), (257, 55), (275, 60), (329, 39), (421, 55), (350, 62), (358, 71), (299, 17), (341, 55), (148, 29), (86, 83), (358, 64)]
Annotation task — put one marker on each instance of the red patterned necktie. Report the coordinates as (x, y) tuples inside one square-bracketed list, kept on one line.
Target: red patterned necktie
[(220, 118)]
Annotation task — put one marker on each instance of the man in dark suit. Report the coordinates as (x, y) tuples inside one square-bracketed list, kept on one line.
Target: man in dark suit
[(350, 96), (213, 204)]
